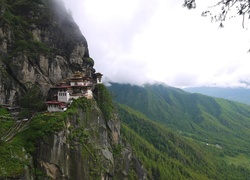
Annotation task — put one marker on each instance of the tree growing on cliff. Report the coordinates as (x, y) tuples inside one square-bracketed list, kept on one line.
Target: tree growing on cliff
[(32, 102)]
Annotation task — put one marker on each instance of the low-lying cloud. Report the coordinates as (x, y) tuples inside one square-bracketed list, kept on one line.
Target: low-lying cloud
[(138, 42)]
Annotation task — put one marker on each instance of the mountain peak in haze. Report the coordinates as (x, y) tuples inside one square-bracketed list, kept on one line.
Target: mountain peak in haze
[(234, 94)]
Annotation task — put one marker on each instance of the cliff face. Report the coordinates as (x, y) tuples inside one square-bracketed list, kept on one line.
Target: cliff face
[(83, 142), (89, 147), (39, 44)]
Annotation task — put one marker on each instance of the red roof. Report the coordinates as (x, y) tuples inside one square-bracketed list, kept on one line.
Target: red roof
[(60, 104), (54, 102)]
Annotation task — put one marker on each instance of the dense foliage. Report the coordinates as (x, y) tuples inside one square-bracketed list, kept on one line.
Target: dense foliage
[(167, 155), (81, 123), (32, 102), (219, 125), (104, 100), (13, 153)]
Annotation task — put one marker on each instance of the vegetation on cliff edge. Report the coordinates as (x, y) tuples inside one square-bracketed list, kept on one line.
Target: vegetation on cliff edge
[(13, 153)]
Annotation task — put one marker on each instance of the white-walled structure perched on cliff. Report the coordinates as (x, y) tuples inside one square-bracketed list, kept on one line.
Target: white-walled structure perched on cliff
[(79, 85)]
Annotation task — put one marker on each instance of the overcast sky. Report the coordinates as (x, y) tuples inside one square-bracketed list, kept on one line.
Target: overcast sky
[(142, 41)]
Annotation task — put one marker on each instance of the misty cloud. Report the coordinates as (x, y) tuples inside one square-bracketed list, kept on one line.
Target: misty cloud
[(143, 41)]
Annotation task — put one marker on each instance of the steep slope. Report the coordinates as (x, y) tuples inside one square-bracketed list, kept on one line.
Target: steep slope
[(212, 121), (40, 44), (167, 155), (83, 142)]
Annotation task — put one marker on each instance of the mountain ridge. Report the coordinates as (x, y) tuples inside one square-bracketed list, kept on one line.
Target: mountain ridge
[(204, 118), (217, 127), (171, 131), (235, 94), (171, 151)]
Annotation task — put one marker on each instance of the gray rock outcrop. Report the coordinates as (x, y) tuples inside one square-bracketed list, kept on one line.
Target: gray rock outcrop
[(84, 149), (39, 44)]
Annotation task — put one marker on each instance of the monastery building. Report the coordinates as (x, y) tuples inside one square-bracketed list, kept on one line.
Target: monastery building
[(79, 85)]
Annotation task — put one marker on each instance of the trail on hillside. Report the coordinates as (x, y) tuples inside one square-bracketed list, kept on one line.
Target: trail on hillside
[(19, 126)]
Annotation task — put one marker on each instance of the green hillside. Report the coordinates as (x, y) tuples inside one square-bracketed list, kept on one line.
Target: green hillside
[(216, 123), (167, 155)]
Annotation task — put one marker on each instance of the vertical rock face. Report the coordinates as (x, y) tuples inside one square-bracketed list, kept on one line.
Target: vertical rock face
[(39, 44), (87, 149)]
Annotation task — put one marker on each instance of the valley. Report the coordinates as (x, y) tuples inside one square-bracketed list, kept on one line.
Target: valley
[(216, 130)]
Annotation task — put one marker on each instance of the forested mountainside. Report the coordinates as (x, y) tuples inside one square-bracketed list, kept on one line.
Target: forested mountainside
[(41, 46), (165, 132), (234, 94), (165, 118)]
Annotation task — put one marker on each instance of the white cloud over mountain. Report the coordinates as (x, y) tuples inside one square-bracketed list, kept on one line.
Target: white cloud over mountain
[(137, 41)]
